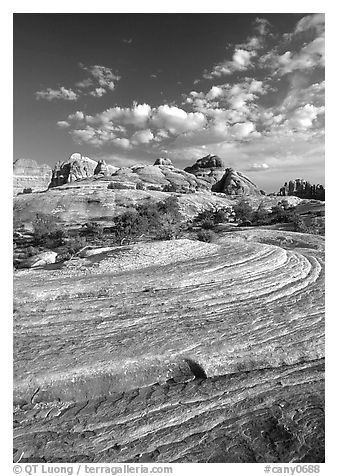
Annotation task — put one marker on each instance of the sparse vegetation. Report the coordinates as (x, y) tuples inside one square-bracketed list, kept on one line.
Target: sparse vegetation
[(47, 232), (208, 219), (161, 220), (205, 235)]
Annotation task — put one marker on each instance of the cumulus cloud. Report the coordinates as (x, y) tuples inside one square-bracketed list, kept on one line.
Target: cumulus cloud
[(310, 56), (176, 120), (256, 167), (123, 143), (101, 75), (241, 60), (303, 117), (101, 80), (142, 137), (98, 92), (261, 26), (316, 21), (63, 124), (54, 94)]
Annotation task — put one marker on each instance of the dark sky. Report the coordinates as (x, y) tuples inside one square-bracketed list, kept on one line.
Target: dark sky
[(258, 63)]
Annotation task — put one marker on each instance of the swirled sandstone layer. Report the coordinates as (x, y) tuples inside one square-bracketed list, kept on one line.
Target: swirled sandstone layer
[(106, 353)]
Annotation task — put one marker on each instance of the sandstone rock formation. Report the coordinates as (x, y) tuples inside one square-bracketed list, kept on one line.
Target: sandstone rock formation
[(101, 352), (101, 168), (168, 178), (29, 175), (236, 183), (303, 189), (75, 168), (163, 161), (209, 169)]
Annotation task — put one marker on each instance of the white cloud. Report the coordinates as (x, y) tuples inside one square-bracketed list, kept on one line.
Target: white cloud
[(255, 166), (316, 21), (214, 92), (262, 26), (142, 137), (176, 120), (63, 124), (310, 56), (61, 93), (241, 60), (98, 92), (123, 143), (303, 117), (102, 75)]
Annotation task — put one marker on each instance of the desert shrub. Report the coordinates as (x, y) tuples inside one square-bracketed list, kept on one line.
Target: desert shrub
[(92, 228), (261, 217), (209, 218), (313, 227), (127, 226), (162, 220), (205, 235), (244, 212), (47, 232), (72, 246), (283, 212), (207, 224)]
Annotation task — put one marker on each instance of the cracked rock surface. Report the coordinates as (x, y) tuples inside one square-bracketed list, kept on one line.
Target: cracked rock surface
[(175, 351)]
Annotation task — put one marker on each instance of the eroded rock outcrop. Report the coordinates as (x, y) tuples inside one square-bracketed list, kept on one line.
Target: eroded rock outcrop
[(163, 161), (236, 183), (303, 189), (28, 175), (166, 177), (210, 169), (75, 168)]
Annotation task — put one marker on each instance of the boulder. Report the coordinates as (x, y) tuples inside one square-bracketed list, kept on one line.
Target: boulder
[(163, 161), (41, 259), (75, 168), (28, 175)]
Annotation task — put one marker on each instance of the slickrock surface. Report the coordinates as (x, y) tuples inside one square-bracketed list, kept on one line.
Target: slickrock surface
[(28, 174), (106, 354), (93, 199)]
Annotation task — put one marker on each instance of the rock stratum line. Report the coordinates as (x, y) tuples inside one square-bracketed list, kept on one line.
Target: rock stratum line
[(105, 352)]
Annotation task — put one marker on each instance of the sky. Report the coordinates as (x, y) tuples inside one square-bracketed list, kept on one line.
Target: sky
[(130, 88)]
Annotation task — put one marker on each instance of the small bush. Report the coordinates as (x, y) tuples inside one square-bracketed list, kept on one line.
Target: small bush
[(205, 235), (208, 219), (72, 246), (92, 229), (244, 212), (47, 232), (162, 220), (207, 224)]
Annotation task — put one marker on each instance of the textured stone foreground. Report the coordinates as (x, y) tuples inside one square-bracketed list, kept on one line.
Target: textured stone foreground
[(103, 352)]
